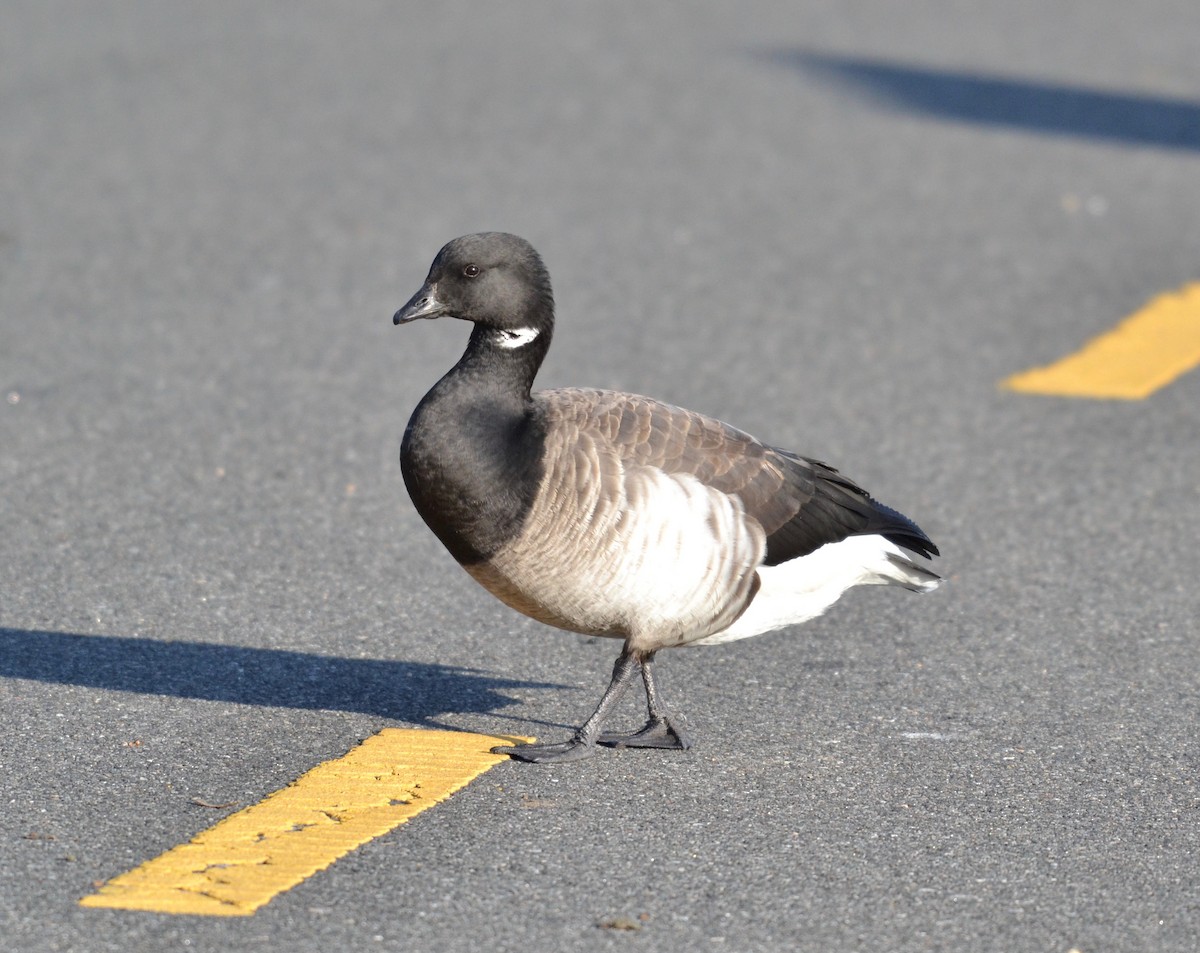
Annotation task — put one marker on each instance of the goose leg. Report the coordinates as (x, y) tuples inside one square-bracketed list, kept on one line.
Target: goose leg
[(659, 731), (583, 744)]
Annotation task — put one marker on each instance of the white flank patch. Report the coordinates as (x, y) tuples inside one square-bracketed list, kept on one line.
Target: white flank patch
[(685, 555), (652, 556), (518, 338), (803, 588)]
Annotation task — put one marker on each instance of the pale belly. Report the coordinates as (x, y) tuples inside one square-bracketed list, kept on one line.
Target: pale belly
[(669, 572)]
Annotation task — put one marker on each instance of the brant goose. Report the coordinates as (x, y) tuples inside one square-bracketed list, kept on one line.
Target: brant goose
[(616, 515)]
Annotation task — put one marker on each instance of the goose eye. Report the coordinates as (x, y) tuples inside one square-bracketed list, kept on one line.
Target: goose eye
[(471, 271)]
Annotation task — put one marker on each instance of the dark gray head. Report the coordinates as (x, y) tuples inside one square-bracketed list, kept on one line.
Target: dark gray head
[(492, 279)]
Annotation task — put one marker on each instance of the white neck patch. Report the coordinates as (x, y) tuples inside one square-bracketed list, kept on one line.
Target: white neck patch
[(517, 338)]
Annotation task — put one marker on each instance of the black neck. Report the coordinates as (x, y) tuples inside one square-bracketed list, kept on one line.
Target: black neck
[(505, 372), (472, 453)]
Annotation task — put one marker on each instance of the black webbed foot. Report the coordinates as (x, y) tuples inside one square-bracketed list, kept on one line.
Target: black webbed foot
[(573, 750), (656, 733)]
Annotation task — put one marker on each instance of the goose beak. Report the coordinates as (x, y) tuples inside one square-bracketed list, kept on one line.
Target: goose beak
[(424, 304)]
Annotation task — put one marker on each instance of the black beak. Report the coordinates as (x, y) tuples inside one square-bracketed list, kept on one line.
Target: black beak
[(424, 304)]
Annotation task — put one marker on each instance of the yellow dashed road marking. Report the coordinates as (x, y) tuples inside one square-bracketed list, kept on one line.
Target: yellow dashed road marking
[(240, 863), (1142, 354)]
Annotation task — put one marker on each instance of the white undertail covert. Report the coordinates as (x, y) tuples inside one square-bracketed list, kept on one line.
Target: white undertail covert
[(803, 588)]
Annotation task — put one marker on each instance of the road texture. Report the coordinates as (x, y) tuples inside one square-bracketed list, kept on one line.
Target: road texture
[(835, 225)]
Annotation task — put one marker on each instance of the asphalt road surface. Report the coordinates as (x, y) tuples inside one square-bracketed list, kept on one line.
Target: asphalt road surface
[(835, 225)]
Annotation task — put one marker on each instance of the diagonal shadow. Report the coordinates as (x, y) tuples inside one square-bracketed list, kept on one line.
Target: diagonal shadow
[(415, 692), (1051, 108)]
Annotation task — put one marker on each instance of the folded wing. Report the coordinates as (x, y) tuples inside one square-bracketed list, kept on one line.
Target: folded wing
[(800, 503)]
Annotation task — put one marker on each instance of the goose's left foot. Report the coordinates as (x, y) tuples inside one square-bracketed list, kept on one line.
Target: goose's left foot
[(574, 750)]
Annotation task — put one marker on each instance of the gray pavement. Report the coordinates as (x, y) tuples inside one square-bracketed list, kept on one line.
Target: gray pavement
[(835, 225)]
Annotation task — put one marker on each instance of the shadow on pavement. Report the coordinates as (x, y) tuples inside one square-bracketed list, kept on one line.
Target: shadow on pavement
[(414, 692), (992, 100)]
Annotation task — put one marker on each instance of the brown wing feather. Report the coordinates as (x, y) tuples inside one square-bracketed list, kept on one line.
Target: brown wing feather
[(800, 503)]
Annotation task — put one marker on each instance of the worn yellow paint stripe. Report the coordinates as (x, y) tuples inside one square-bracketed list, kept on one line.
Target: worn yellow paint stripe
[(239, 864), (1142, 354)]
